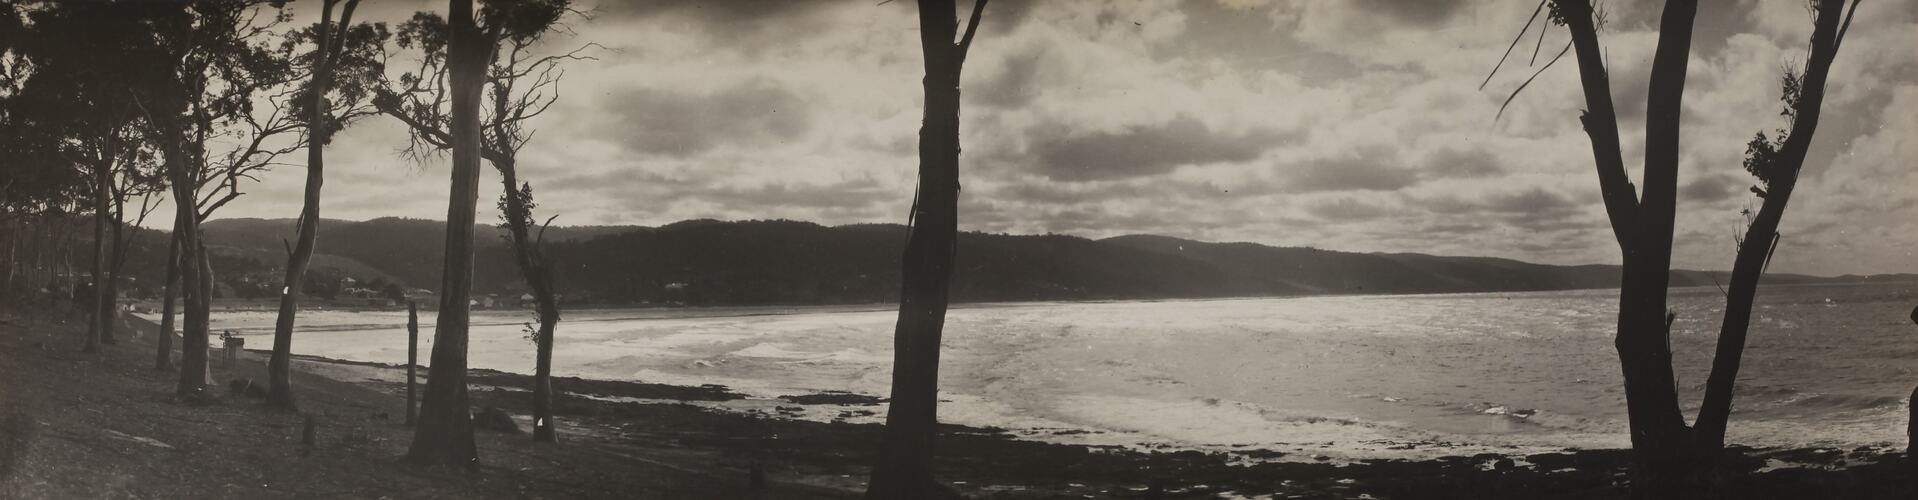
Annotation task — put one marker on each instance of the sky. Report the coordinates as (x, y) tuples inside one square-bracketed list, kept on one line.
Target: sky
[(1355, 125)]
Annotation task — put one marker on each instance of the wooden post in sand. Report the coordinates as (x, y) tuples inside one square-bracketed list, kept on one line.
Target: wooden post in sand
[(412, 358)]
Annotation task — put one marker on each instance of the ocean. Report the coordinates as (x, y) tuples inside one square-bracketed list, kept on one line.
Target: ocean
[(1340, 376)]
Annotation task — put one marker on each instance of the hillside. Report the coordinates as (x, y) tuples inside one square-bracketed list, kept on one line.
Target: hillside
[(707, 262)]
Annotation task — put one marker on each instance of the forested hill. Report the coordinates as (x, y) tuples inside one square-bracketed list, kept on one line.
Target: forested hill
[(783, 262)]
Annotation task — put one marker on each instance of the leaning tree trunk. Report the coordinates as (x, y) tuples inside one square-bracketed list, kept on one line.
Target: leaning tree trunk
[(904, 469), (279, 365), (1760, 239), (444, 435), (539, 277), (163, 358)]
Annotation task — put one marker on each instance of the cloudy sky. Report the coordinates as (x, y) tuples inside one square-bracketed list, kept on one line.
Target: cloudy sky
[(1350, 125)]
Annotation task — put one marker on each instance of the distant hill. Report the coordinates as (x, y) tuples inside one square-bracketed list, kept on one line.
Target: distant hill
[(708, 262)]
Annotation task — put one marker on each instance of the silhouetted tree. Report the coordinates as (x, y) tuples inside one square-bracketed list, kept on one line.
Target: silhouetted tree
[(1671, 457), (904, 469), (1776, 163), (342, 68), (77, 94), (444, 435), (221, 78), (522, 86)]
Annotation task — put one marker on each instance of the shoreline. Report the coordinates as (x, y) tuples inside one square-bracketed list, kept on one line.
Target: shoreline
[(744, 310), (597, 407), (75, 418)]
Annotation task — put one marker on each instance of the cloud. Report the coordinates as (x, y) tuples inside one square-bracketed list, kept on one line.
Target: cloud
[(677, 123), (1463, 163), (1345, 209), (1714, 187), (1142, 150), (1370, 169), (1353, 125)]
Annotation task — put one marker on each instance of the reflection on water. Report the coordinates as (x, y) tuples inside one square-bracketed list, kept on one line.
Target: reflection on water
[(1355, 375)]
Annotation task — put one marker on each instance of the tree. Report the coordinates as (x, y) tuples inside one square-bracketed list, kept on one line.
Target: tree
[(1776, 163), (219, 79), (77, 95), (1671, 457), (904, 469), (357, 50), (522, 85), (444, 434)]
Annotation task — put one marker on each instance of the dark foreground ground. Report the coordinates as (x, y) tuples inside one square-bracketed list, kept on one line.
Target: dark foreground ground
[(105, 425)]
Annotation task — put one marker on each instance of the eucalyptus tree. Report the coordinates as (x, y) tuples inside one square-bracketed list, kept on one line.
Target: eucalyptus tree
[(444, 433), (78, 98), (220, 113), (521, 83), (342, 68), (1673, 458), (904, 469)]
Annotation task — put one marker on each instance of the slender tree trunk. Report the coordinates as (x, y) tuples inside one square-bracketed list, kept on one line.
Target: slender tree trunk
[(538, 275), (279, 366), (201, 318), (543, 424), (444, 435), (110, 314), (102, 180), (1760, 239), (412, 360), (163, 359), (904, 469)]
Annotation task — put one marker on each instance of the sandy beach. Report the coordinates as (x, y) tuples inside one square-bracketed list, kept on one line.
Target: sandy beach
[(66, 410)]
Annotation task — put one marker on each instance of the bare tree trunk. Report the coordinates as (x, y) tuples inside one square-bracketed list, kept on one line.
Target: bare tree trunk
[(110, 314), (1756, 249), (444, 435), (195, 277), (538, 275), (412, 360), (199, 319), (904, 469), (1660, 439), (102, 180), (279, 366), (163, 359)]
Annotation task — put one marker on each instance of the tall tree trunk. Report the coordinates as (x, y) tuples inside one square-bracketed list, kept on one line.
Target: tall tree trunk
[(1760, 239), (1660, 439), (163, 359), (544, 428), (444, 435), (538, 275), (195, 279), (102, 186), (904, 469), (116, 257), (279, 366), (200, 318)]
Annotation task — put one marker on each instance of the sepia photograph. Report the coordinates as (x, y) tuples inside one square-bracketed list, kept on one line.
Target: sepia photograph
[(944, 249)]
